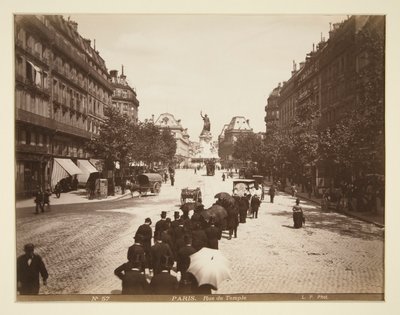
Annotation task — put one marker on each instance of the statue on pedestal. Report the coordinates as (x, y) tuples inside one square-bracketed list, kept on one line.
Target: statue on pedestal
[(207, 124)]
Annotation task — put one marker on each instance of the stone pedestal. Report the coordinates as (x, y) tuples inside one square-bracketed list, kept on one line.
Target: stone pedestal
[(207, 149)]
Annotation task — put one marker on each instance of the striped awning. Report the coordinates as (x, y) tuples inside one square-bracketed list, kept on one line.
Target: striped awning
[(87, 168), (63, 168)]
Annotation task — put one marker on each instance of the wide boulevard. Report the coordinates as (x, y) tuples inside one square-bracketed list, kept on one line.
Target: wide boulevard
[(83, 243)]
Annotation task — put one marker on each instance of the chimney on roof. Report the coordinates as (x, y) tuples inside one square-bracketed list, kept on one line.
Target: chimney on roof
[(113, 73), (94, 44), (294, 67), (123, 76), (152, 117), (313, 47)]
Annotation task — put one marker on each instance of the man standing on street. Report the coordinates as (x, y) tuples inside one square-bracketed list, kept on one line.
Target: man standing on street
[(146, 232), (39, 198), (136, 252), (29, 266), (272, 193), (161, 225)]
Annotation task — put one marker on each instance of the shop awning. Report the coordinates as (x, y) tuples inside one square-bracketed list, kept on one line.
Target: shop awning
[(63, 168), (87, 168)]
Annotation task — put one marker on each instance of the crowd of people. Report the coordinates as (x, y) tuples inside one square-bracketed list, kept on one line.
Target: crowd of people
[(174, 242)]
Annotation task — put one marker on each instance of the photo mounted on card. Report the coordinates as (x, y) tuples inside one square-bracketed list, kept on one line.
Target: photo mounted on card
[(199, 157)]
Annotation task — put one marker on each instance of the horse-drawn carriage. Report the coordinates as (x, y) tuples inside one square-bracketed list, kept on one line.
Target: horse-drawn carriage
[(242, 187), (149, 182), (193, 194)]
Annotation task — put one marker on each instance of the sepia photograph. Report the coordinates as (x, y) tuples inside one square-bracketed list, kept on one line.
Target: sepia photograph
[(199, 157)]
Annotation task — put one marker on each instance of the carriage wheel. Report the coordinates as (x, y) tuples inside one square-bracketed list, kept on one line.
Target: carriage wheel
[(156, 188)]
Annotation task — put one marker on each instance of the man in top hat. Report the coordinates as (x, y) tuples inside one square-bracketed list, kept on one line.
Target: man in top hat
[(158, 250), (136, 252), (146, 232), (133, 279), (213, 233), (161, 224), (29, 266), (163, 282)]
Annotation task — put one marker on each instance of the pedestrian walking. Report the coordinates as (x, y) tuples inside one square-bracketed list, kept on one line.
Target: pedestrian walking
[(294, 190), (183, 257), (161, 225), (158, 250), (146, 232), (136, 252), (271, 192), (39, 198), (255, 205), (164, 282), (223, 177), (242, 203), (172, 178), (133, 278), (199, 236), (57, 189), (298, 216), (29, 267), (232, 222), (165, 177), (46, 199), (213, 233)]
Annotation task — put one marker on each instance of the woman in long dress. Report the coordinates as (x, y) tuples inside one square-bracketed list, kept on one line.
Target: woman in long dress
[(298, 217)]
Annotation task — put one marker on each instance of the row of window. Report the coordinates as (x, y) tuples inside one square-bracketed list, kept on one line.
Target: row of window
[(56, 147), (32, 103)]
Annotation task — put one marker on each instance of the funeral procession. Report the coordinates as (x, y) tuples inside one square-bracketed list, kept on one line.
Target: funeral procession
[(229, 158)]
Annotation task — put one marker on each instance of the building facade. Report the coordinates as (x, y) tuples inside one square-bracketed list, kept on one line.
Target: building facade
[(328, 79), (124, 97), (238, 126), (168, 121), (61, 88), (272, 109)]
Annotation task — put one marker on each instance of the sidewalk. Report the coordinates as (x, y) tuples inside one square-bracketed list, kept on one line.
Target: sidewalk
[(77, 196), (377, 219)]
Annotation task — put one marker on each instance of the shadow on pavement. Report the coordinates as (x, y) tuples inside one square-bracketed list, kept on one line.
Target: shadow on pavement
[(336, 223)]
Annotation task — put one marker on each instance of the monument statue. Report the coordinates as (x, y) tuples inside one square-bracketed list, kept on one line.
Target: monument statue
[(207, 124)]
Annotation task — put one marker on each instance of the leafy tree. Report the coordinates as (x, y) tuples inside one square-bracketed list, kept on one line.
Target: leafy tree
[(114, 141)]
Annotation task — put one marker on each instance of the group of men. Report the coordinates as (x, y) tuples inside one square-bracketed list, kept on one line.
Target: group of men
[(42, 198), (174, 242)]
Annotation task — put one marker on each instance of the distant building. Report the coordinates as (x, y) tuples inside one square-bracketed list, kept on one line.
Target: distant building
[(238, 126), (272, 109), (61, 88), (168, 121), (124, 97)]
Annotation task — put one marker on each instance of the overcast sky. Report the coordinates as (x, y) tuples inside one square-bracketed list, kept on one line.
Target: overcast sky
[(224, 65)]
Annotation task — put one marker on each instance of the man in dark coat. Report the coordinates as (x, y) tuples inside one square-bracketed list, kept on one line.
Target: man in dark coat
[(161, 225), (147, 233), (242, 203), (133, 280), (272, 193), (164, 282), (183, 257), (199, 237), (158, 250), (136, 252), (233, 222), (29, 266), (213, 234), (39, 198), (255, 205)]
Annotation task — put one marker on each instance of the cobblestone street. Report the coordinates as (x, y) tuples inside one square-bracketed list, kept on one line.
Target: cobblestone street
[(82, 244)]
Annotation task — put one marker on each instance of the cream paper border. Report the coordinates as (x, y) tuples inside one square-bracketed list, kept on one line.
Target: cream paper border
[(7, 218)]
